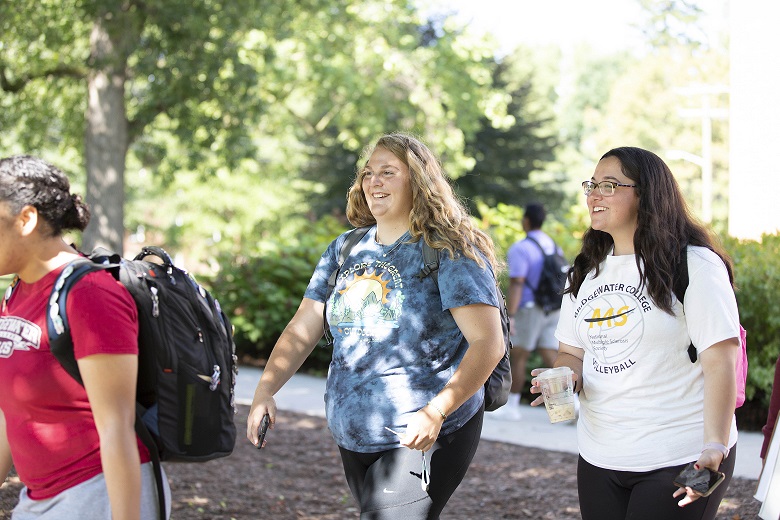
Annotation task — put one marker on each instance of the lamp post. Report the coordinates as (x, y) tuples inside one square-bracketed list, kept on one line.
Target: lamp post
[(705, 163), (706, 113)]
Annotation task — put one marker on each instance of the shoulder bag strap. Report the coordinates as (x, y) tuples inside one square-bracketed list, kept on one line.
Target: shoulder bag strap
[(679, 286), (544, 254), (430, 263), (350, 240)]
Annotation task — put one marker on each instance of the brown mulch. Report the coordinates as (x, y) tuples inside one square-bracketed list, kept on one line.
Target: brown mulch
[(299, 476)]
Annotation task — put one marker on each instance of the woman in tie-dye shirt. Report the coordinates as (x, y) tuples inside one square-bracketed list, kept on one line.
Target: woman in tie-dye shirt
[(410, 357)]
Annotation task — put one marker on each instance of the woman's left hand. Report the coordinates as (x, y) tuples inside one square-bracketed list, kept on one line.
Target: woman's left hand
[(708, 459), (535, 388), (423, 429)]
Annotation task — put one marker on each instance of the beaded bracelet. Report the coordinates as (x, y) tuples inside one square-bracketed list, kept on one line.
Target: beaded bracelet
[(443, 415)]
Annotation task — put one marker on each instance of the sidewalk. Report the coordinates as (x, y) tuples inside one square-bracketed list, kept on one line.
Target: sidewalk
[(304, 394)]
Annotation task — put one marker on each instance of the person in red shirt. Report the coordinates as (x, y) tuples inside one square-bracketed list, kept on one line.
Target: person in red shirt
[(73, 447)]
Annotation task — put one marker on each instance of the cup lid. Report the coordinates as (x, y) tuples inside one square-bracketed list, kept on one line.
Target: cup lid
[(555, 372)]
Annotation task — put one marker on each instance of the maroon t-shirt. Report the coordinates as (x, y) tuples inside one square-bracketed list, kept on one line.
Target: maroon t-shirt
[(49, 424)]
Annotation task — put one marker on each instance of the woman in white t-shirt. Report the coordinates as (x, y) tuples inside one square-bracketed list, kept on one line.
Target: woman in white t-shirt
[(645, 410)]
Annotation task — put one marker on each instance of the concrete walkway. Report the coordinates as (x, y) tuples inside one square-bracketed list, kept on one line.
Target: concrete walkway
[(304, 394)]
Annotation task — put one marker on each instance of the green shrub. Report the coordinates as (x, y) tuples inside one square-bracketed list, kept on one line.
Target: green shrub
[(261, 291), (757, 277), (504, 223)]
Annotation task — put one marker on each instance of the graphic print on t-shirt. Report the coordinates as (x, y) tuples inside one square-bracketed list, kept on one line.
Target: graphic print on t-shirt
[(363, 305), (18, 334), (611, 322)]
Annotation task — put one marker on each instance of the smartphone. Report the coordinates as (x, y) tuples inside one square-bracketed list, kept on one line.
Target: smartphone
[(261, 431), (703, 481)]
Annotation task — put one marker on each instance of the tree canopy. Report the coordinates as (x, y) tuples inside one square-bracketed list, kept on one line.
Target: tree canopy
[(236, 96), (226, 124)]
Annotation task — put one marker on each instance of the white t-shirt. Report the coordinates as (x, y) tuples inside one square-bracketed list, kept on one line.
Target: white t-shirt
[(642, 400)]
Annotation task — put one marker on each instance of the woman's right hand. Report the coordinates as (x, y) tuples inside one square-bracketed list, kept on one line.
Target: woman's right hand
[(262, 404), (291, 349)]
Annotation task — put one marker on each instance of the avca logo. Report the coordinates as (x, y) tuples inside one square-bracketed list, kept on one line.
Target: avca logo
[(612, 327)]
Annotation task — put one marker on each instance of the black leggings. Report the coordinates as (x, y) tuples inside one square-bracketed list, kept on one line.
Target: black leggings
[(607, 494), (386, 484)]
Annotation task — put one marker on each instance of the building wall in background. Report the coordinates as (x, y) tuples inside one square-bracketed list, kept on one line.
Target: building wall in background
[(754, 156)]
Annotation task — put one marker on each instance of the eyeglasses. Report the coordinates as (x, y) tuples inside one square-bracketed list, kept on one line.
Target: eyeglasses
[(606, 188)]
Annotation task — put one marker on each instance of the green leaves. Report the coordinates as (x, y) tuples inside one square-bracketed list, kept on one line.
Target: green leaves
[(266, 94), (261, 291), (757, 276), (43, 51)]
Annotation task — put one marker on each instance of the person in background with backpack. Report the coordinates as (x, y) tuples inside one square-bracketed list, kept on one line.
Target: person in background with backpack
[(532, 326), (74, 447), (404, 395), (646, 411)]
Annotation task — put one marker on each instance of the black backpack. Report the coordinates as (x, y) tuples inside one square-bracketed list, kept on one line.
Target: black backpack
[(548, 293), (679, 288), (500, 381), (186, 361)]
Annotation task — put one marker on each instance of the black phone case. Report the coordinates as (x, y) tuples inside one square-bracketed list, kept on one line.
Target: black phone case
[(262, 430), (703, 481)]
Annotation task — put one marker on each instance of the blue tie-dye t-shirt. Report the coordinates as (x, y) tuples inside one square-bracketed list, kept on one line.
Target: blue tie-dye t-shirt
[(395, 342)]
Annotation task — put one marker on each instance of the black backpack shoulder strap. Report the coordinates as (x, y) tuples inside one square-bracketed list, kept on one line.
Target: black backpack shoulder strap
[(57, 324), (350, 240), (430, 262), (544, 254), (532, 239), (556, 249), (680, 282), (679, 287)]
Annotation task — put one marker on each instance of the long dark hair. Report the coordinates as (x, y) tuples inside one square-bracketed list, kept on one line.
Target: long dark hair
[(665, 226), (29, 181)]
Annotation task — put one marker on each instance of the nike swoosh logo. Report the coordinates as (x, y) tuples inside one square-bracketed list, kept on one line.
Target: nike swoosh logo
[(607, 318), (387, 491)]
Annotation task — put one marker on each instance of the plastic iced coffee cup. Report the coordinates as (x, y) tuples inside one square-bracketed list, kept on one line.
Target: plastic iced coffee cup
[(557, 386)]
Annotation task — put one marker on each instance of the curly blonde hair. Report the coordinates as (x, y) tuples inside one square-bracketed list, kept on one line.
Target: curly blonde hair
[(438, 216)]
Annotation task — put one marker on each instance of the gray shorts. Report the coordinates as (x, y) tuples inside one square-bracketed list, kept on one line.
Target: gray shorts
[(89, 500), (533, 329)]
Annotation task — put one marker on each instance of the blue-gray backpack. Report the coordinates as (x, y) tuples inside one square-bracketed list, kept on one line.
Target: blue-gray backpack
[(500, 381), (186, 356)]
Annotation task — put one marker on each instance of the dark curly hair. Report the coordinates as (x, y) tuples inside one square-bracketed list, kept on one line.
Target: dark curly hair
[(665, 226), (29, 181)]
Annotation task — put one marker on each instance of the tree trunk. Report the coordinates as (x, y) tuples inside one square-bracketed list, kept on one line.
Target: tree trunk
[(106, 140)]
